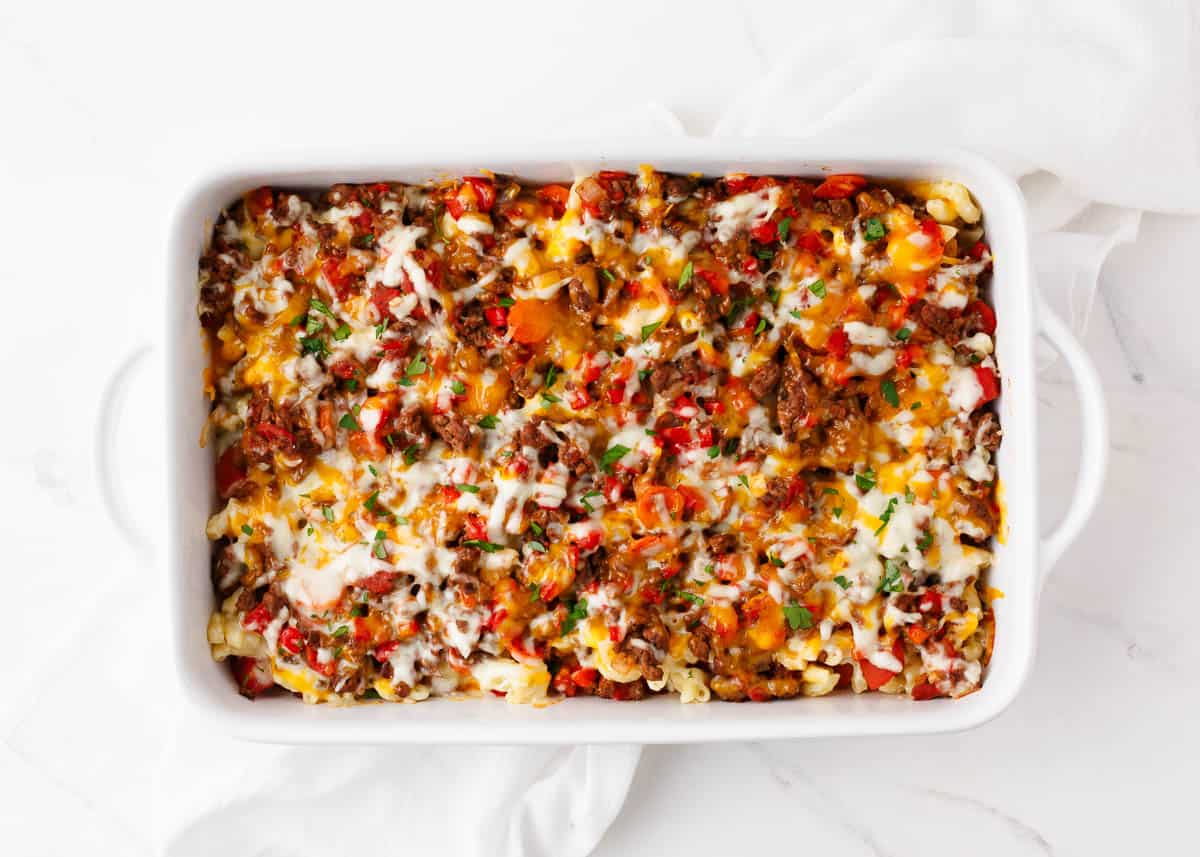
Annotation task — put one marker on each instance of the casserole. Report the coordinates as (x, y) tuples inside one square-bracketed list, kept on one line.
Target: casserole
[(1014, 572)]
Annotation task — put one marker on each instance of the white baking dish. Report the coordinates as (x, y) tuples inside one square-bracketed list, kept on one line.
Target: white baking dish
[(1020, 562)]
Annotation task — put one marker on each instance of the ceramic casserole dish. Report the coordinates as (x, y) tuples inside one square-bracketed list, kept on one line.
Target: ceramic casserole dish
[(1021, 559)]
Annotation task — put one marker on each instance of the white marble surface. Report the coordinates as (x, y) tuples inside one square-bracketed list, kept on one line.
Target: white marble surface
[(108, 107)]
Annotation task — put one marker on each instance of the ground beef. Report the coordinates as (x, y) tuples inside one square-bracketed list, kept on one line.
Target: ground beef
[(532, 434), (409, 428), (454, 430), (583, 302), (576, 460), (940, 321), (764, 380), (675, 188), (472, 326), (722, 543), (985, 429), (797, 398), (466, 559)]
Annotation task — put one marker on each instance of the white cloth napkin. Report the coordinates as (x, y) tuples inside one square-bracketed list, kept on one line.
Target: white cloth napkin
[(1088, 103)]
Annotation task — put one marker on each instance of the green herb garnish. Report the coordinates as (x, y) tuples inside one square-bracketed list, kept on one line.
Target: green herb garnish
[(798, 616)]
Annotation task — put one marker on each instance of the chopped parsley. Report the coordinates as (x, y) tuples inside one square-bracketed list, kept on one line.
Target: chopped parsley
[(551, 375), (506, 302), (608, 275), (888, 389), (926, 542), (359, 610), (314, 345), (537, 528), (841, 581), (887, 515), (798, 616), (488, 421), (775, 561), (418, 366), (865, 480), (342, 631), (536, 546), (891, 578), (486, 547), (903, 334), (349, 423), (731, 445), (379, 550), (685, 275), (692, 597), (796, 314), (611, 456), (742, 478), (909, 496), (837, 511), (411, 453), (578, 611), (714, 451), (583, 501), (458, 387), (343, 332), (321, 307), (381, 327), (648, 330), (817, 288), (874, 229), (470, 489), (550, 399), (760, 327), (327, 511), (247, 529), (784, 226), (833, 492), (915, 406)]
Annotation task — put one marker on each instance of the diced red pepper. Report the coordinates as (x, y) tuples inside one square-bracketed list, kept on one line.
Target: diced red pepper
[(717, 281), (257, 619), (379, 583), (838, 344), (556, 196), (923, 690), (979, 250), (312, 655), (385, 650), (449, 493), (990, 384), (497, 316), (812, 241), (252, 677), (498, 615), (476, 528), (590, 370), (676, 435), (986, 315), (275, 434), (231, 470), (290, 640), (584, 677), (614, 633), (362, 631), (612, 489), (485, 192), (840, 186), (750, 265), (332, 269), (578, 399), (616, 393), (766, 232), (931, 602)]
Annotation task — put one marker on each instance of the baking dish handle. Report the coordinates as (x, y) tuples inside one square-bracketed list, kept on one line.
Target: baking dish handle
[(112, 405), (1093, 453)]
